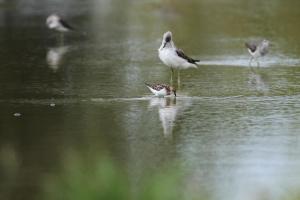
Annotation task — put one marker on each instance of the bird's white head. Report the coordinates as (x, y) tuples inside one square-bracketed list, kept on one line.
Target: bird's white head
[(167, 40), (167, 36), (52, 21)]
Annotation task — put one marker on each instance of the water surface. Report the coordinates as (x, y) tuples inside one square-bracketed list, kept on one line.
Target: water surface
[(233, 128)]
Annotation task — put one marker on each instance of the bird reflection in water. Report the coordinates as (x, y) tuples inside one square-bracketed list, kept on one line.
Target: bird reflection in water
[(257, 81), (55, 56), (167, 111)]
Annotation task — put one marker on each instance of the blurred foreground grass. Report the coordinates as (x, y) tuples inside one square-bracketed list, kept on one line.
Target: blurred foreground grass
[(83, 178), (86, 178)]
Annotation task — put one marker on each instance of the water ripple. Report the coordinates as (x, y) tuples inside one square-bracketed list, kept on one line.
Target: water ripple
[(243, 61)]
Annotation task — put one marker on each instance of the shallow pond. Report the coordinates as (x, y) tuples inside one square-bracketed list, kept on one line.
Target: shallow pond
[(233, 128)]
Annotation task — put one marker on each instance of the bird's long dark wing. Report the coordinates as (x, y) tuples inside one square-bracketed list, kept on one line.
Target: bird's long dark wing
[(181, 54), (252, 47), (65, 24)]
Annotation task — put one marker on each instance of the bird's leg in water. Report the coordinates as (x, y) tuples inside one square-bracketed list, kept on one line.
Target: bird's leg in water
[(172, 71), (250, 61), (258, 65), (178, 79)]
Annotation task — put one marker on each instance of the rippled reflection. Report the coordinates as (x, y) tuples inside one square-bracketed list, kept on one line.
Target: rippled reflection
[(257, 81), (167, 111), (55, 57)]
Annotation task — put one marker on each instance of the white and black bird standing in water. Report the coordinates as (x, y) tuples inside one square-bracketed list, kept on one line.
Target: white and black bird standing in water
[(161, 90), (257, 50), (55, 22), (173, 57)]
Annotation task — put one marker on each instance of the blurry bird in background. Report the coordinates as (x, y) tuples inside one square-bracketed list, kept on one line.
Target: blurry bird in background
[(55, 22), (257, 50)]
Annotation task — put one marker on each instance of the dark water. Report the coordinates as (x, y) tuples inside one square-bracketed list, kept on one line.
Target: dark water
[(233, 128)]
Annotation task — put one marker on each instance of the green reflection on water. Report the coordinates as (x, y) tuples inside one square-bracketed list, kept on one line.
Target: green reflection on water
[(88, 177)]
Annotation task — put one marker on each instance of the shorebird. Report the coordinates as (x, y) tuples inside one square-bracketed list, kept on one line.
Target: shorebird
[(161, 90), (257, 50), (55, 22), (173, 57)]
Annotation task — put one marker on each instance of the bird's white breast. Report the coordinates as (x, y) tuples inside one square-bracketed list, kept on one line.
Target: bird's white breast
[(170, 58), (254, 54)]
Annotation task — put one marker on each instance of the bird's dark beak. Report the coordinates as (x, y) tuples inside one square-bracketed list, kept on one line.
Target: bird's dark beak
[(165, 44)]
